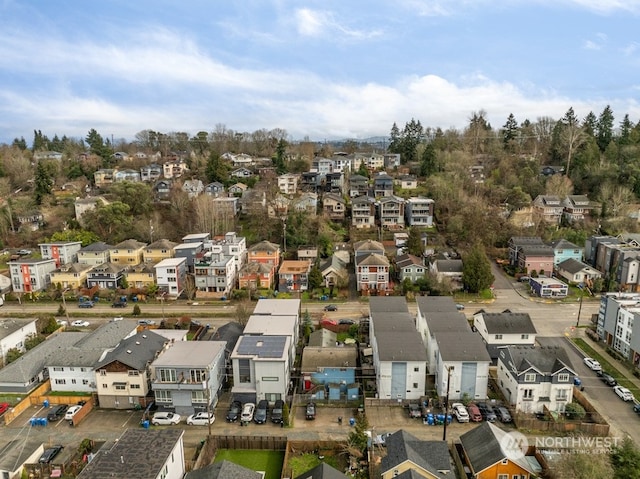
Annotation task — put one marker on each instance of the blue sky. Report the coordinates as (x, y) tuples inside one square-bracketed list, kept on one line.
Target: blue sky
[(323, 69)]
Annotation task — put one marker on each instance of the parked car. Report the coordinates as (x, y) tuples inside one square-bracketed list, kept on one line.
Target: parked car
[(24, 252), (4, 406), (117, 318), (623, 393), (328, 323), (331, 307), (57, 413), (62, 322), (201, 419), (592, 364), (146, 322), (234, 411), (49, 453), (414, 411), (636, 408), (608, 379), (165, 418), (72, 411), (80, 323), (487, 412), (460, 412), (262, 410), (119, 304), (346, 321), (474, 413), (503, 414), (524, 279), (276, 412), (85, 304), (247, 412), (310, 413), (460, 307)]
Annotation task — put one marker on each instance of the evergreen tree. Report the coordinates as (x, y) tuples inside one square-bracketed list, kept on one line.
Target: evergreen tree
[(414, 242), (279, 158), (97, 146), (510, 133), (43, 183), (625, 460), (625, 131), (20, 143), (589, 123), (429, 161), (476, 270), (315, 277), (395, 139), (604, 128)]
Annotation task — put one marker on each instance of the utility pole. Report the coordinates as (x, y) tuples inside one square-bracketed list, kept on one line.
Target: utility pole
[(579, 311), (207, 394), (64, 305), (446, 405)]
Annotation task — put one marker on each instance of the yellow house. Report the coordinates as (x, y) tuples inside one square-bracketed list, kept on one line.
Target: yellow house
[(127, 253), (158, 250), (141, 276), (428, 459), (71, 275)]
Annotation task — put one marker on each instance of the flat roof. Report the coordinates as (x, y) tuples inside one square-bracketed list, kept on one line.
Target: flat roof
[(281, 307), (190, 354), (272, 325)]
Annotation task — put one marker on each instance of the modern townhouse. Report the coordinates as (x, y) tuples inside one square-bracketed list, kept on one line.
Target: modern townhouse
[(162, 189), (533, 378), (419, 211), (334, 182), (63, 253), (171, 274), (390, 212), (188, 376), (382, 185), (371, 267), (618, 317), (215, 273), (30, 275), (310, 181), (334, 206), (191, 251), (363, 212), (358, 186)]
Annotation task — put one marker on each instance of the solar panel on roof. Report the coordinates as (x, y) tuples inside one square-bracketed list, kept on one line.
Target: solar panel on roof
[(262, 346)]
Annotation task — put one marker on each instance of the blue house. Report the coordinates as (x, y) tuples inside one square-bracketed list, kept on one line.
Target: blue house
[(563, 250)]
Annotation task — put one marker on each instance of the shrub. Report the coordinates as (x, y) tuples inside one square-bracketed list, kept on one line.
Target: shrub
[(136, 310), (575, 411)]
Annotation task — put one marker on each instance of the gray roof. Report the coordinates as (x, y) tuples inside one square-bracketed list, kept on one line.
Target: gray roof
[(322, 471), (35, 360), (408, 260), (265, 246), (322, 337), (9, 326), (483, 446), (223, 470), (449, 265), (546, 359), (264, 347), (537, 250), (371, 259), (190, 354), (16, 452), (397, 338), (97, 247), (449, 321), (314, 357), (432, 456), (456, 346), (229, 333), (574, 266), (280, 307), (129, 244), (509, 323), (526, 240), (564, 244), (433, 304), (382, 304), (161, 244), (135, 351), (138, 454)]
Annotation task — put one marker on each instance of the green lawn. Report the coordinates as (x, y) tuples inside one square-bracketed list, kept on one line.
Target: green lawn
[(268, 461), (607, 365)]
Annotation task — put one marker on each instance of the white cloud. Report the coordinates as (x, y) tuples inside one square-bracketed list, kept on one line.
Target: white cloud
[(316, 23)]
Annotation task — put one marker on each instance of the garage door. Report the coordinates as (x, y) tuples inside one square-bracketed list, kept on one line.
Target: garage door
[(468, 379), (398, 380)]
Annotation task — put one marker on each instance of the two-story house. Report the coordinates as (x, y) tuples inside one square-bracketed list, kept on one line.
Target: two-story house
[(237, 189), (127, 253), (162, 189), (410, 267), (563, 249), (255, 276), (406, 182), (103, 177), (577, 208), (534, 377), (150, 173), (174, 169), (29, 275), (95, 253), (63, 253), (293, 275), (171, 276), (214, 189), (334, 182), (264, 252), (410, 457), (241, 173), (106, 275), (504, 329), (288, 183), (188, 376), (363, 212), (193, 188), (158, 250), (141, 276), (549, 208), (126, 175), (72, 276), (334, 206)]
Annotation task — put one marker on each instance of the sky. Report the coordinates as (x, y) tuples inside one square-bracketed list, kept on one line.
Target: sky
[(318, 69)]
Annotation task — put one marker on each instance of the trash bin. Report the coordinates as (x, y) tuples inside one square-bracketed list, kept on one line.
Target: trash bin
[(352, 421), (45, 403), (145, 424)]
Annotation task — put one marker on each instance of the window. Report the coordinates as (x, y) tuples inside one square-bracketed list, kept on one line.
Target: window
[(416, 370), (103, 372), (527, 394), (133, 372), (166, 375), (164, 396), (120, 386), (498, 336), (524, 336), (244, 370), (61, 381), (503, 476), (561, 395), (563, 378), (73, 381), (85, 382), (269, 378), (104, 386), (197, 375), (83, 370), (198, 397), (530, 378), (415, 385), (134, 386), (58, 369)]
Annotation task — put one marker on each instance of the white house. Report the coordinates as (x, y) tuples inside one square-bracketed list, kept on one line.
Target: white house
[(531, 378), (502, 329), (13, 333), (399, 355), (156, 453), (171, 275)]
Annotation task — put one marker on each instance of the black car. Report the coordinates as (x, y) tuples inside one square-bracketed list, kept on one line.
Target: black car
[(58, 413), (487, 412), (119, 304), (347, 321), (331, 307), (234, 411), (49, 454), (262, 410), (276, 412), (311, 411), (608, 379)]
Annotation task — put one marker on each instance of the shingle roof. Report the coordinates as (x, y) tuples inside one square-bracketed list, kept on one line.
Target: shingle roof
[(546, 359), (322, 338), (223, 470), (129, 244), (314, 357), (368, 245), (396, 337), (322, 471), (405, 260), (161, 244), (136, 351), (509, 323), (372, 259), (572, 266), (449, 265), (402, 446), (265, 246), (388, 304), (466, 346), (563, 244), (432, 304), (138, 454), (97, 247)]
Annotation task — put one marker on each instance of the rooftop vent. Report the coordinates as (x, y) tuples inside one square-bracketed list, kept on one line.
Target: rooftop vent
[(128, 351)]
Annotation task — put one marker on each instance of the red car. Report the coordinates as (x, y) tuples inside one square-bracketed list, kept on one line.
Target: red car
[(328, 323), (3, 407)]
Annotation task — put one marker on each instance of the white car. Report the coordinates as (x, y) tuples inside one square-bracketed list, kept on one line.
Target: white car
[(117, 318), (62, 322), (80, 323), (165, 418), (592, 364), (623, 393), (72, 411), (461, 413), (201, 419), (247, 412)]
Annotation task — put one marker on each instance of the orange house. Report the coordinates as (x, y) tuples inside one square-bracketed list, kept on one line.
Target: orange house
[(264, 252), (485, 453)]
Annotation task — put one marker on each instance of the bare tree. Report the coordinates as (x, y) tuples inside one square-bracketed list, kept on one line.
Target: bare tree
[(243, 311), (559, 185)]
